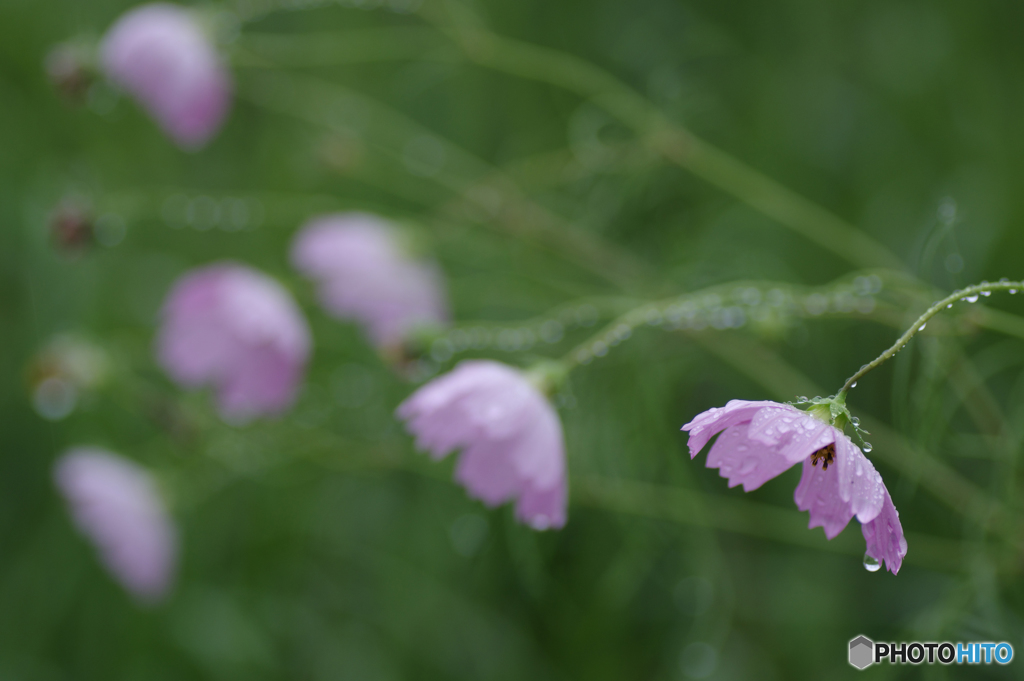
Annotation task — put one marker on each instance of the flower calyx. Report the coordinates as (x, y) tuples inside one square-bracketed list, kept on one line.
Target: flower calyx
[(833, 411)]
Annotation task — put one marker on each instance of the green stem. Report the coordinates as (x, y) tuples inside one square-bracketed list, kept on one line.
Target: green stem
[(969, 293), (672, 141)]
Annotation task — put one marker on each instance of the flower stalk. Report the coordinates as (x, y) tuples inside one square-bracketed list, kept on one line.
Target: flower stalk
[(969, 294)]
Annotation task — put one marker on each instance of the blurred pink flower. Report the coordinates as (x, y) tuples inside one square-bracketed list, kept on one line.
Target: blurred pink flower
[(763, 439), (115, 503), (239, 330), (160, 54), (511, 436), (365, 275)]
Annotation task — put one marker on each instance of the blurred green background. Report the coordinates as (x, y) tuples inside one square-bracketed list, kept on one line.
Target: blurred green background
[(551, 184)]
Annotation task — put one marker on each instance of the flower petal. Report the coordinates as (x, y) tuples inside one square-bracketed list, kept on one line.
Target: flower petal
[(818, 492), (487, 473), (744, 461), (859, 483), (513, 440), (704, 426), (793, 433), (116, 504), (543, 509), (884, 536)]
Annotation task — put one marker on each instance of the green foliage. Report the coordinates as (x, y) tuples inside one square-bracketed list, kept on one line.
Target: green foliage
[(669, 168)]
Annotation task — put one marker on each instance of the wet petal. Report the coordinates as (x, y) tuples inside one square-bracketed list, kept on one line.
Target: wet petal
[(818, 492), (884, 536), (513, 440), (236, 329), (705, 425), (744, 461), (364, 274), (543, 509), (859, 484)]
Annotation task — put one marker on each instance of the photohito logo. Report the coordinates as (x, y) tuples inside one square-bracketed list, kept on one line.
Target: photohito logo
[(864, 652)]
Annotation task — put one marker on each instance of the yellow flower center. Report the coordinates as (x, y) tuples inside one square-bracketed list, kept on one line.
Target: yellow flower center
[(826, 455)]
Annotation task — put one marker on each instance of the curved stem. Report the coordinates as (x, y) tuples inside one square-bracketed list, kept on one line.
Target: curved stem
[(727, 306), (983, 288)]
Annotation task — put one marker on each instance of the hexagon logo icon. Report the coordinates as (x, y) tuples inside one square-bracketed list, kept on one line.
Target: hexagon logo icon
[(862, 652)]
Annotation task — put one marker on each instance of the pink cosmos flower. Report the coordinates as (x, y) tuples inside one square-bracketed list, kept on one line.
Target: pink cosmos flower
[(510, 434), (365, 275), (160, 54), (760, 440), (115, 503), (239, 330)]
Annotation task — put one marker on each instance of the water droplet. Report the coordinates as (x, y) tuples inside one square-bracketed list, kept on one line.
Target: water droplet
[(801, 399), (748, 465), (949, 306), (855, 420), (972, 299), (854, 384), (986, 293), (870, 564), (1004, 280), (859, 469), (921, 328), (867, 447), (1013, 291)]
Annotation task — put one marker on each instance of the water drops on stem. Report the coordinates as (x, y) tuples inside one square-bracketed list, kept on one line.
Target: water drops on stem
[(969, 294)]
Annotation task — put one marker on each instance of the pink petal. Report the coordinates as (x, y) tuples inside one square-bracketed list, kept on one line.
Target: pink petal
[(818, 492), (543, 508), (859, 484), (884, 536), (115, 503), (236, 329), (513, 441), (160, 54), (706, 424), (745, 461), (795, 434), (487, 474), (364, 274)]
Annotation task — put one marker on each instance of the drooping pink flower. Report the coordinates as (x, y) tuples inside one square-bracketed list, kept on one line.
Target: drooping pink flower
[(760, 440), (160, 54), (231, 327), (115, 503), (363, 274), (511, 438)]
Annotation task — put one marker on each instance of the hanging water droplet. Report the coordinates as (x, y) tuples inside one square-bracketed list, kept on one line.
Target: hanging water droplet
[(921, 328), (986, 293), (867, 447), (1013, 291), (855, 420), (972, 299), (854, 384), (1004, 280), (870, 564), (949, 306)]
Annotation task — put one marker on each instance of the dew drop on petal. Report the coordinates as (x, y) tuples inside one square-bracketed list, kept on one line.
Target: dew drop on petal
[(870, 564), (748, 465)]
